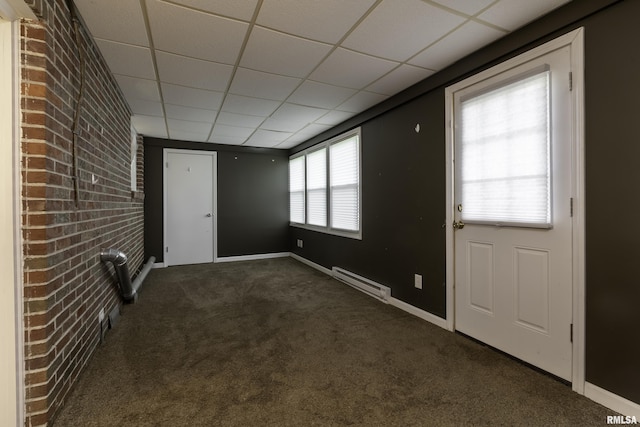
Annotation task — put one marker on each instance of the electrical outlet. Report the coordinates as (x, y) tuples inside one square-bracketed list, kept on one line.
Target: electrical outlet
[(417, 281), (300, 244)]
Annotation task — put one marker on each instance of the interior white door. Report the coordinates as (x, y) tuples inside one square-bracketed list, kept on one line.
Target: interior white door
[(513, 278), (189, 221)]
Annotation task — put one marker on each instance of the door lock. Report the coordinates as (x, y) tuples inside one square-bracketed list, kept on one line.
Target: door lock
[(458, 225), (208, 215)]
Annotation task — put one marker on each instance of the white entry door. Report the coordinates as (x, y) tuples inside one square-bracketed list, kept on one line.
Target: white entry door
[(513, 211), (189, 207)]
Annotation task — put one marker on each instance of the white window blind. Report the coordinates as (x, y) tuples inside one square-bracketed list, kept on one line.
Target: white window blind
[(345, 184), (296, 190), (504, 150), (317, 188)]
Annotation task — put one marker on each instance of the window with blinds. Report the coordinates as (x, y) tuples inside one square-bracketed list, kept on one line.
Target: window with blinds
[(317, 188), (296, 190), (324, 186), (345, 184), (504, 150)]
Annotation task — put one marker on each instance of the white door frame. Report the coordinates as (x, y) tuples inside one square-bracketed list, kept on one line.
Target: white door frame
[(575, 39), (214, 154), (12, 388)]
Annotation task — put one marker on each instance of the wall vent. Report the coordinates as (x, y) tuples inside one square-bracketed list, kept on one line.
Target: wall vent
[(369, 287)]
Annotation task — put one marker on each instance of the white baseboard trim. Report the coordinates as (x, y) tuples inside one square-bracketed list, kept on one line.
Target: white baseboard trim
[(612, 401), (312, 264), (424, 315), (158, 265), (252, 257)]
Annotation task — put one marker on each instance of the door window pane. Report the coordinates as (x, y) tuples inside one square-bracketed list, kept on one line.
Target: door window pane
[(504, 150)]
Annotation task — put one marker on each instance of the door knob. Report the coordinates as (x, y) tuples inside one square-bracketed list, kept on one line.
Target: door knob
[(209, 215), (458, 225)]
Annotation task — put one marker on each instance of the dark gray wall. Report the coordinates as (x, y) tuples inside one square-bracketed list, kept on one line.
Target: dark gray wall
[(404, 181), (402, 207), (253, 204), (613, 198)]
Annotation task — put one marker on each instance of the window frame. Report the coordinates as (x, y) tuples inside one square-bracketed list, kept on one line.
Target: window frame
[(326, 145)]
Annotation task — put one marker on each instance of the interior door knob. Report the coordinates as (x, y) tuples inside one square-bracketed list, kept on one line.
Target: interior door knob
[(209, 215), (458, 225)]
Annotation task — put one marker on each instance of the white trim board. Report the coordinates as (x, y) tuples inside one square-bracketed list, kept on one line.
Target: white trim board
[(612, 401), (574, 39), (312, 264), (12, 388), (253, 257), (424, 315)]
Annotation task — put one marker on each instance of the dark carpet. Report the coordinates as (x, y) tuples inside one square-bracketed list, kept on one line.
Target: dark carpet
[(276, 343)]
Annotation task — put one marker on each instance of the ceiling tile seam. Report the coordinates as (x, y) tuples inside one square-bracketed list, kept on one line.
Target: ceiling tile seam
[(204, 12), (145, 16), (333, 49), (120, 43), (438, 40), (473, 17), (247, 35)]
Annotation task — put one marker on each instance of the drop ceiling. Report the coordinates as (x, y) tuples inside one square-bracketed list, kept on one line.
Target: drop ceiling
[(274, 73)]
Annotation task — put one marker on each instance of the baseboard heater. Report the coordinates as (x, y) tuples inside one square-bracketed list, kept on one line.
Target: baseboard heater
[(369, 287)]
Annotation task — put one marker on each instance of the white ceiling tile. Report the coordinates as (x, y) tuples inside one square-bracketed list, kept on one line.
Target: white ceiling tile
[(263, 85), (289, 143), (232, 131), (282, 54), (465, 6), (291, 118), (188, 130), (334, 117), (126, 59), (351, 69), (513, 14), (398, 29), (326, 20), (267, 138), (138, 88), (312, 130), (193, 72), (228, 140), (399, 79), (465, 40), (195, 34), (190, 97), (232, 8), (320, 95), (117, 20), (251, 106), (361, 101), (150, 126), (145, 108), (187, 135), (240, 120), (304, 134), (180, 112), (188, 126)]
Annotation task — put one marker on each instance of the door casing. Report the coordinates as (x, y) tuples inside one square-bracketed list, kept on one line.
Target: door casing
[(12, 393), (574, 39)]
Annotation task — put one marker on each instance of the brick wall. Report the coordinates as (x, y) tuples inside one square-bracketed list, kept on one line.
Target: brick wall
[(65, 284)]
